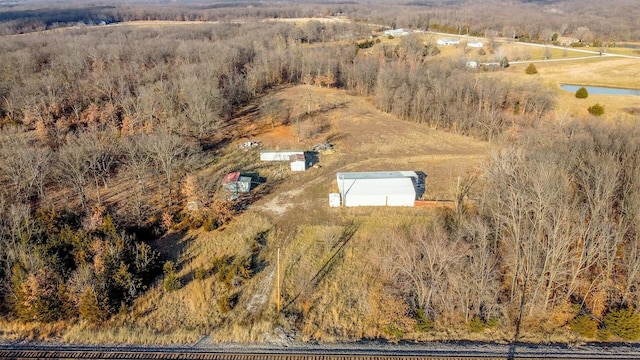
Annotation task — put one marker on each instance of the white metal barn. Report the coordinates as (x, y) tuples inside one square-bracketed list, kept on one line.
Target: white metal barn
[(475, 44), (278, 155), (382, 188)]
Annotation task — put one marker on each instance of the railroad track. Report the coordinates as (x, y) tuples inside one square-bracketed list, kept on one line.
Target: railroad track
[(22, 352), (100, 355)]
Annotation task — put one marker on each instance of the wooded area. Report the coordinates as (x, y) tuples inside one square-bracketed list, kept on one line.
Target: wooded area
[(104, 127)]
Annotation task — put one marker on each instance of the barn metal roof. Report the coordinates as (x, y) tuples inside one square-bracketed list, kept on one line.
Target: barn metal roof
[(376, 175)]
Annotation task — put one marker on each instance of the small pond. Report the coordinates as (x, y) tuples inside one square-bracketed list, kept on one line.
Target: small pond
[(599, 90)]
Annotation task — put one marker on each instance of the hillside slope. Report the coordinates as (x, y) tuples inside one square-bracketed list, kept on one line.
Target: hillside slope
[(334, 262)]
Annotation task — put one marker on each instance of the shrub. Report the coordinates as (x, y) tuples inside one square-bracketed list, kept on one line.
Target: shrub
[(476, 324), (504, 63), (423, 322), (171, 280), (394, 332), (632, 110), (582, 93), (531, 70), (227, 303), (492, 322), (596, 110), (89, 308), (625, 323), (584, 326)]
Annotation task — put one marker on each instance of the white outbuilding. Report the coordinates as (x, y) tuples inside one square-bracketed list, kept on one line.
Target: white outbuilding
[(451, 41), (380, 188), (298, 162), (395, 32), (475, 44), (278, 155)]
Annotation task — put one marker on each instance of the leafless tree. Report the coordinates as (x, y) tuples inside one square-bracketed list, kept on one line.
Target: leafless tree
[(169, 152), (24, 166)]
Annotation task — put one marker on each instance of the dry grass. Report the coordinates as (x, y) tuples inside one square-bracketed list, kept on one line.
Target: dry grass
[(82, 334), (18, 330)]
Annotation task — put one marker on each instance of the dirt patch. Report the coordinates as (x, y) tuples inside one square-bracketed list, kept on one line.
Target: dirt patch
[(281, 137), (281, 203)]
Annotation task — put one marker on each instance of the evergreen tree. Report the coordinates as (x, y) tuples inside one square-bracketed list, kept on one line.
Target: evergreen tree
[(531, 69), (582, 93)]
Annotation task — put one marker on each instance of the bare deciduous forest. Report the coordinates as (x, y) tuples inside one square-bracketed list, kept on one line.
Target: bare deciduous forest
[(107, 130)]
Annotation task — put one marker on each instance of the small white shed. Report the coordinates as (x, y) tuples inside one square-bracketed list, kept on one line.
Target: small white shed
[(475, 44), (298, 162), (334, 200), (382, 188), (278, 155)]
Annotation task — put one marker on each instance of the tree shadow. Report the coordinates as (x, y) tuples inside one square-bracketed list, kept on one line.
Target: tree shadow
[(322, 110), (348, 232), (170, 246), (337, 136)]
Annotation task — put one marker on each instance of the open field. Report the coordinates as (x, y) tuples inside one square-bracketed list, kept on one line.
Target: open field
[(369, 140), (606, 71)]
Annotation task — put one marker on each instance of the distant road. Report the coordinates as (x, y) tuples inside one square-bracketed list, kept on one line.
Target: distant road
[(343, 351), (596, 54)]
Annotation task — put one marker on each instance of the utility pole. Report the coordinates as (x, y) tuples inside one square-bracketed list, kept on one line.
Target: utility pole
[(278, 280), (344, 192)]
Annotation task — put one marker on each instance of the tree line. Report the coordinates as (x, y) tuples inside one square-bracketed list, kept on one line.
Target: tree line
[(555, 231), (536, 21)]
